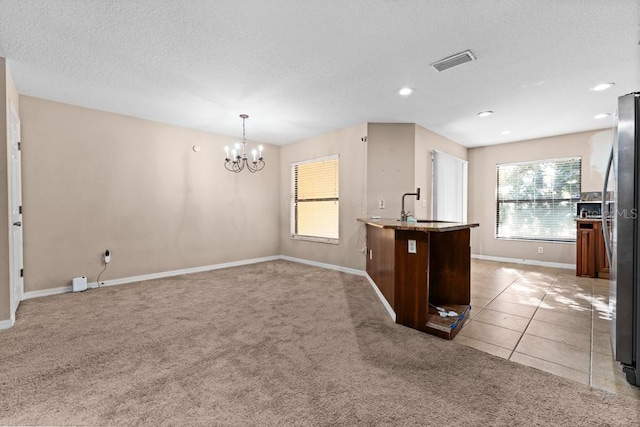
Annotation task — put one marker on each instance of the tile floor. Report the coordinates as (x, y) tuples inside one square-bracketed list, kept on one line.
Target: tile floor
[(546, 318)]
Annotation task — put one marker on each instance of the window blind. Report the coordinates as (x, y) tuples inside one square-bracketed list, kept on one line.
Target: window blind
[(316, 201), (537, 200)]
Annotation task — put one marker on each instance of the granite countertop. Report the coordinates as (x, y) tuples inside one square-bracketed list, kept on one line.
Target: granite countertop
[(422, 225)]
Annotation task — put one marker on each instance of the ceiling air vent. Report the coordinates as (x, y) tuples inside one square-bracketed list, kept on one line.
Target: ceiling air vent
[(454, 60)]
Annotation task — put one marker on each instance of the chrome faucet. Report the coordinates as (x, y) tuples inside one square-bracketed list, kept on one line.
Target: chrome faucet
[(404, 215)]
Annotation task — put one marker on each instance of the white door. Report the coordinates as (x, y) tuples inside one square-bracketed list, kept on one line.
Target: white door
[(449, 190), (16, 212)]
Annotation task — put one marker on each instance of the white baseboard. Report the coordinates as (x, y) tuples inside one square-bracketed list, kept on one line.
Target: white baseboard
[(384, 301), (6, 324), (324, 265), (46, 292), (163, 274), (133, 279), (524, 261)]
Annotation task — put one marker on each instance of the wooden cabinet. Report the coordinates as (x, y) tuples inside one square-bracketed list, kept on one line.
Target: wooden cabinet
[(435, 271), (381, 260), (602, 261), (591, 256)]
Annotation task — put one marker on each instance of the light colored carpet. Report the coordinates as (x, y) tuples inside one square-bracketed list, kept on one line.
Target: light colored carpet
[(266, 344)]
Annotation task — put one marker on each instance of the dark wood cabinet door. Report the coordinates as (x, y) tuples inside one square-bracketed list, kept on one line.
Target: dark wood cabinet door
[(412, 290), (602, 262), (381, 261), (450, 268), (586, 251)]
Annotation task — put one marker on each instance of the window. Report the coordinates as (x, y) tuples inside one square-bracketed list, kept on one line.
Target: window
[(537, 200), (315, 202)]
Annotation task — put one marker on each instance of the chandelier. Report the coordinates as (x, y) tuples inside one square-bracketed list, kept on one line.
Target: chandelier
[(238, 160)]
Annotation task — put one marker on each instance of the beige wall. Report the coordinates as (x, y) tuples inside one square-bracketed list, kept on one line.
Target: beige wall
[(348, 145), (94, 180), (390, 167), (394, 160), (425, 142), (399, 161), (592, 146)]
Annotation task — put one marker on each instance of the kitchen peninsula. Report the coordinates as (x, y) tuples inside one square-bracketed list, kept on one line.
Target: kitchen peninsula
[(420, 266)]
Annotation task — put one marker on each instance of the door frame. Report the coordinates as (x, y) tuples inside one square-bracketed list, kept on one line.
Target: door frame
[(16, 237)]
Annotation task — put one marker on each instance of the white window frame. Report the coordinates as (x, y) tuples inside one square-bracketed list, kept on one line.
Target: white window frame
[(292, 221), (530, 238)]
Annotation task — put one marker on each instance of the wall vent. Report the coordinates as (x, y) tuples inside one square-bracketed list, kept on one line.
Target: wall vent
[(454, 60)]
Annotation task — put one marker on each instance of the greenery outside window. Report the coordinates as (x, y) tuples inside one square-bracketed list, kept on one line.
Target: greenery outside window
[(537, 200), (315, 200)]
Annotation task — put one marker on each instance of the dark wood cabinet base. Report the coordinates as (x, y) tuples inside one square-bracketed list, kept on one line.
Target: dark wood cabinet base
[(447, 327), (413, 269), (591, 257)]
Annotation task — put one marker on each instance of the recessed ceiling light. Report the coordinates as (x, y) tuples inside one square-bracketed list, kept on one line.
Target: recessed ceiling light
[(405, 91), (485, 113), (602, 86), (601, 115), (506, 132)]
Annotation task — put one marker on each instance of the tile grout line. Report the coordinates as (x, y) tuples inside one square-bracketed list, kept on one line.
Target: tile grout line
[(534, 313), (492, 300), (546, 292), (553, 363), (557, 281)]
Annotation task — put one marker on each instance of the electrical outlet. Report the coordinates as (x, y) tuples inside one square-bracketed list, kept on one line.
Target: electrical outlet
[(412, 246), (106, 256), (540, 250), (381, 203)]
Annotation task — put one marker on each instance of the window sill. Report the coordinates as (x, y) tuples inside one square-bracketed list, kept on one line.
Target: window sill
[(522, 239), (316, 239)]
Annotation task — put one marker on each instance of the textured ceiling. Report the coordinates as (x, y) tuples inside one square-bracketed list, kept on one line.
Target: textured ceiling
[(301, 68)]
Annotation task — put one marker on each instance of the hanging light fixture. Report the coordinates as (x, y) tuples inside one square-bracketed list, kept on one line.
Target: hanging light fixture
[(238, 160)]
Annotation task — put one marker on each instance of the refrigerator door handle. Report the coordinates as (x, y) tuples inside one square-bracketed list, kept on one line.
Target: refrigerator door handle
[(605, 227)]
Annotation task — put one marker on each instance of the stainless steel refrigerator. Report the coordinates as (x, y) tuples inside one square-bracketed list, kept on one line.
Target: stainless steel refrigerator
[(623, 237)]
